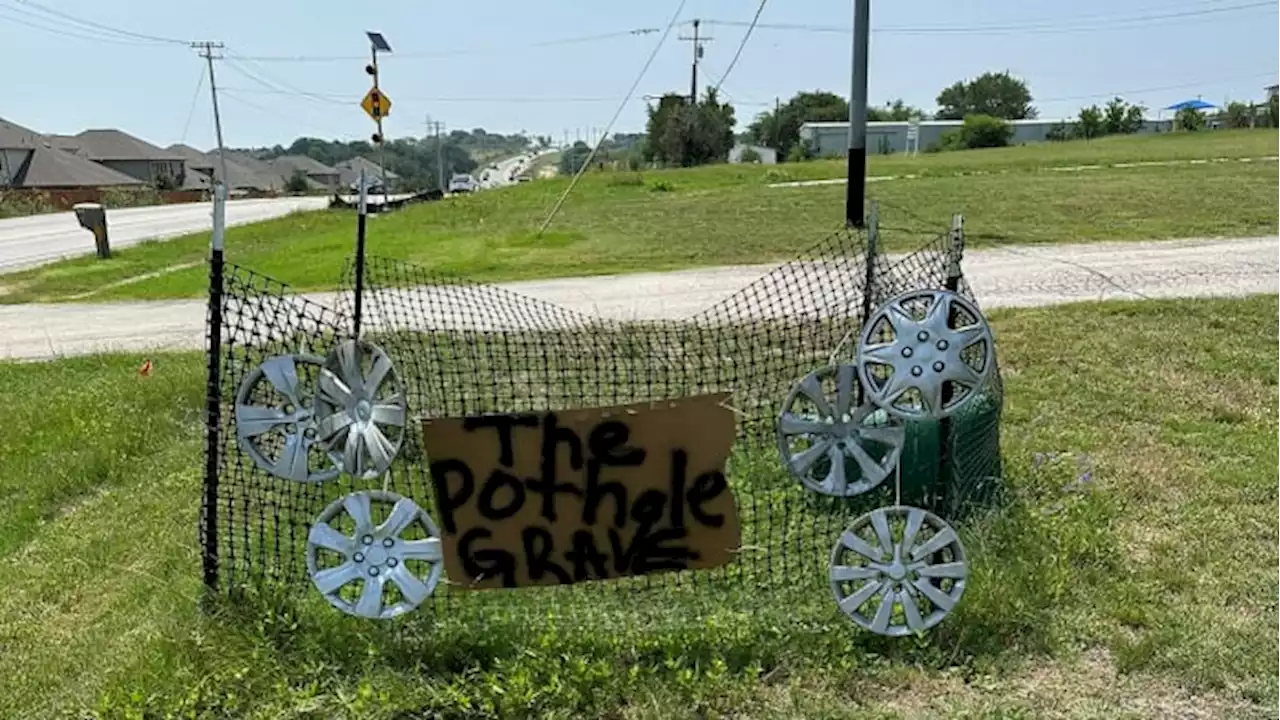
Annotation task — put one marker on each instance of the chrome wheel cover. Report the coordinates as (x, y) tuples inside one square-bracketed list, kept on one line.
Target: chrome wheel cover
[(898, 570), (361, 409), (919, 344), (830, 445), (275, 421), (374, 555)]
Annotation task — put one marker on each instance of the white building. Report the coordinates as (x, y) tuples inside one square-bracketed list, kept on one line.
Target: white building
[(831, 139)]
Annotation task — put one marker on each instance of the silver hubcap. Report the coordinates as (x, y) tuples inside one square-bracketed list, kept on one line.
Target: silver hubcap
[(275, 422), (372, 558), (831, 446), (361, 409), (898, 570), (924, 354)]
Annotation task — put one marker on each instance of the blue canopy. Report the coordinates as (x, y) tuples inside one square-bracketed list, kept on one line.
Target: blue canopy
[(1196, 104)]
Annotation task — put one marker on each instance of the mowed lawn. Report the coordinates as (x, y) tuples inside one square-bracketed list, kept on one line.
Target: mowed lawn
[(1145, 589), (724, 215)]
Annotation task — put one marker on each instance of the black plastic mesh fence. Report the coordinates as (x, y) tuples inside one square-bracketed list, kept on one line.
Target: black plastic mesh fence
[(465, 349)]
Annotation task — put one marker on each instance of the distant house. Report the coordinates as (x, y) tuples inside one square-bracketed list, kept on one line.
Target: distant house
[(30, 160), (126, 154), (1272, 92), (766, 155), (199, 167), (319, 176), (349, 172)]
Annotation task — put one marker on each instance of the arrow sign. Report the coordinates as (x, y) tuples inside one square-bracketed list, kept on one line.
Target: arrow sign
[(376, 104)]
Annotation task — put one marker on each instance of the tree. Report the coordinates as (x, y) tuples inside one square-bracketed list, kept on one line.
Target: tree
[(781, 129), (1189, 119), (1238, 115), (297, 182), (1089, 124), (1121, 118), (996, 94), (573, 157), (749, 155), (896, 111), (684, 135)]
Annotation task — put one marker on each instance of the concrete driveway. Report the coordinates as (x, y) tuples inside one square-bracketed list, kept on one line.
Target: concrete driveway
[(1019, 276)]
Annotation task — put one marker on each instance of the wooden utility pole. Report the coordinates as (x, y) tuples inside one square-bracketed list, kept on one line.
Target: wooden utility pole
[(697, 41)]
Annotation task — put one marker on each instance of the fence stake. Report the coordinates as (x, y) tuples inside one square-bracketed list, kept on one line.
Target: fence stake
[(955, 253), (362, 218)]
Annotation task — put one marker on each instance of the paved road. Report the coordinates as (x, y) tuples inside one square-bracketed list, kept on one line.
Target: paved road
[(38, 239), (509, 169), (1019, 276)]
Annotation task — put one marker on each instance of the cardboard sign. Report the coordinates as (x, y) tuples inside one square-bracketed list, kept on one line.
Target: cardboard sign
[(556, 498)]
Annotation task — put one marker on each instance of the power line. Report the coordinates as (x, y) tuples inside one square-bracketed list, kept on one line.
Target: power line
[(675, 18), (101, 27), (1060, 26), (340, 99), (192, 110), (275, 84), (490, 50), (60, 31), (745, 36)]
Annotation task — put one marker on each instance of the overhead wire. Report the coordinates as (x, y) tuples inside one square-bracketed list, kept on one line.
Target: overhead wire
[(269, 82), (490, 50), (30, 20), (1058, 26), (191, 111), (102, 27), (675, 18), (742, 45)]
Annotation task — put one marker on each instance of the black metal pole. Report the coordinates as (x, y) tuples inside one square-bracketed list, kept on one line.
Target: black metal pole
[(955, 253), (213, 422), (362, 218), (855, 191)]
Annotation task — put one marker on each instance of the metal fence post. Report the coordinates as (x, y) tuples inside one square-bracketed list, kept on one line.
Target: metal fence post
[(362, 218), (955, 254), (213, 395)]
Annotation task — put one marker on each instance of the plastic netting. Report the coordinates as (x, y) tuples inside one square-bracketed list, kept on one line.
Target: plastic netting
[(465, 349)]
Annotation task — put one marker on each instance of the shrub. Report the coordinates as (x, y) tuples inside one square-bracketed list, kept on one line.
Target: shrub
[(1189, 119), (800, 152), (1089, 123), (978, 131), (1059, 132), (1239, 115), (750, 155)]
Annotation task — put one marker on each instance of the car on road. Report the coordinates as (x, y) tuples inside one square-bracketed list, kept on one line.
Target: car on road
[(462, 183), (523, 178)]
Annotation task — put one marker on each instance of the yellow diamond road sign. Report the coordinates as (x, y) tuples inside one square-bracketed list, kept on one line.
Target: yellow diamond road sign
[(377, 104)]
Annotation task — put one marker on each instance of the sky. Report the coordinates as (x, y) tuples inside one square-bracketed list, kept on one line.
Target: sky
[(563, 67)]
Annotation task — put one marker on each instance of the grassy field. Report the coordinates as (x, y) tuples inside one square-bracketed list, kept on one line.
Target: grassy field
[(1145, 591), (627, 222)]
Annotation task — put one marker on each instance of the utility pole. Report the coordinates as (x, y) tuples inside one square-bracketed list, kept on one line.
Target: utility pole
[(220, 178), (435, 126), (697, 41)]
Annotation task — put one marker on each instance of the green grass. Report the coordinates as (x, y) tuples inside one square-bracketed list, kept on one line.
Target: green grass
[(624, 222), (1147, 592)]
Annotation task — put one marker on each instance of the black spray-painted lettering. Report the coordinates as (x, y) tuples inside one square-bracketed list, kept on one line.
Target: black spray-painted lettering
[(503, 494)]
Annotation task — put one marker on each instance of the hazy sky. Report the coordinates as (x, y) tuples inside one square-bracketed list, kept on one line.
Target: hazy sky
[(475, 64)]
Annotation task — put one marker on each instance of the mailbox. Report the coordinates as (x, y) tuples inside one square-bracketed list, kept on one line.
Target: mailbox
[(93, 217)]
